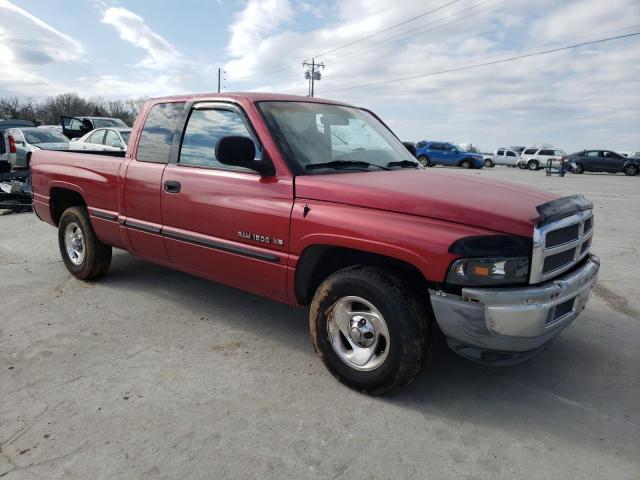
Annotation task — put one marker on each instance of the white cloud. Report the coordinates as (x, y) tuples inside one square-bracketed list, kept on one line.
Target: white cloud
[(256, 20), (559, 97), (132, 28), (27, 42), (33, 41)]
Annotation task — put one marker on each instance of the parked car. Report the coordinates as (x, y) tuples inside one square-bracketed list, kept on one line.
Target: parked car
[(443, 153), (103, 139), (634, 155), (603, 161), (502, 156), (75, 127), (246, 189), (24, 141), (5, 164), (535, 158)]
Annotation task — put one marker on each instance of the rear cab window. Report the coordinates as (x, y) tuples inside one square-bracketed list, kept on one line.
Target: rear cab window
[(158, 132)]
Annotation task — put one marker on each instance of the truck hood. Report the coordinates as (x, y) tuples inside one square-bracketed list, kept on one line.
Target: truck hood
[(455, 197)]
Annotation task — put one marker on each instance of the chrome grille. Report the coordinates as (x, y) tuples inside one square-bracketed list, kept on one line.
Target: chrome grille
[(559, 245)]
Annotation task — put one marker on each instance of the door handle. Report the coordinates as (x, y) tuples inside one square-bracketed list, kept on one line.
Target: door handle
[(171, 186)]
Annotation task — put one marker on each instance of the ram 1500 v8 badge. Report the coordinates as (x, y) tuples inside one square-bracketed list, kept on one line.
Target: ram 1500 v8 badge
[(381, 249)]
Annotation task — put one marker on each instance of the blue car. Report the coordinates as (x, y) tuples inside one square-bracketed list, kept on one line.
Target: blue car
[(444, 153)]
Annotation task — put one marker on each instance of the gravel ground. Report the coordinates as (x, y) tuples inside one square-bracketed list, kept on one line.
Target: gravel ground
[(151, 373)]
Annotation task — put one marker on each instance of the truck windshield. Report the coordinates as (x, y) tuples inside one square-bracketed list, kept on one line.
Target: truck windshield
[(322, 138)]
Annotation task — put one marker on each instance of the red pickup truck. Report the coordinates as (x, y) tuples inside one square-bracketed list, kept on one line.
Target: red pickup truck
[(313, 202)]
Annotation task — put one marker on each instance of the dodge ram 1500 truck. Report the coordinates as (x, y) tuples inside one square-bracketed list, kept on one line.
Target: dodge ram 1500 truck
[(313, 202)]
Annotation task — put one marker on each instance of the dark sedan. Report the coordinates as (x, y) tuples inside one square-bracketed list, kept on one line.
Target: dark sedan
[(603, 161)]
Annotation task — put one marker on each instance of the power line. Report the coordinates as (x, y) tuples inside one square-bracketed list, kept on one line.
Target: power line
[(437, 21), (387, 29), (283, 68), (478, 65)]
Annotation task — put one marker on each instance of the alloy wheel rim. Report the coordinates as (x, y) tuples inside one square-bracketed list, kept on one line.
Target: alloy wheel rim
[(74, 243), (358, 333)]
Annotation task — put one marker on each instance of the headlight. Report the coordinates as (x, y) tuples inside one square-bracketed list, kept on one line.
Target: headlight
[(489, 271)]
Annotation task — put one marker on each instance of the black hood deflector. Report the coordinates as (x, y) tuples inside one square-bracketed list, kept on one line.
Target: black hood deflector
[(563, 207)]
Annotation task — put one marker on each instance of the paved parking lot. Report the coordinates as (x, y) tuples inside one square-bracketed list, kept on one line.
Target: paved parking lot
[(151, 373)]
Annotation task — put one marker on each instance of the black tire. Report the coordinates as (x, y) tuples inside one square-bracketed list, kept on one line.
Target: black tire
[(404, 316), (522, 165), (489, 163), (630, 170), (425, 161), (466, 163), (97, 256), (533, 165), (5, 167), (578, 168)]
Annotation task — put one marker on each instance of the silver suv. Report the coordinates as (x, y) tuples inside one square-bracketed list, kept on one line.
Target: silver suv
[(535, 158)]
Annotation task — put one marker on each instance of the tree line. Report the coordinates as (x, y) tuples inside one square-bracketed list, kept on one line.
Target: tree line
[(49, 110)]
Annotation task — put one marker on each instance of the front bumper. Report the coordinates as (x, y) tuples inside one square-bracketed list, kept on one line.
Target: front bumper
[(511, 324)]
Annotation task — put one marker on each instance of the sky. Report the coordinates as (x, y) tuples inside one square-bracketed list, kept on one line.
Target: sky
[(587, 97)]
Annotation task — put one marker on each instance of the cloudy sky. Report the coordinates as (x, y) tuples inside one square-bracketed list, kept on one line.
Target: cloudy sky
[(581, 98)]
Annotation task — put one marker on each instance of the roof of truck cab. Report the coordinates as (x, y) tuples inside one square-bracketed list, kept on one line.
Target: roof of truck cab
[(250, 96)]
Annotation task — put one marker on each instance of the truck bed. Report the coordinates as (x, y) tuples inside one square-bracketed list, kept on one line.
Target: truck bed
[(92, 175)]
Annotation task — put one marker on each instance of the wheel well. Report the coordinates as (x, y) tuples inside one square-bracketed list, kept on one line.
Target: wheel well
[(319, 261), (61, 199)]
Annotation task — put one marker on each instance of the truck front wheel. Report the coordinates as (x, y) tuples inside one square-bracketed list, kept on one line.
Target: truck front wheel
[(84, 255), (369, 329)]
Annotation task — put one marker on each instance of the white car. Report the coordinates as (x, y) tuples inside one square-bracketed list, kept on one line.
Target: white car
[(504, 156), (535, 158), (103, 140)]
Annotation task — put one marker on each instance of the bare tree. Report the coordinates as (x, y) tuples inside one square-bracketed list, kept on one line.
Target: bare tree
[(49, 110)]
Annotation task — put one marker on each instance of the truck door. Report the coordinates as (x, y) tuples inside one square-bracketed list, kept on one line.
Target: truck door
[(225, 223), (143, 216)]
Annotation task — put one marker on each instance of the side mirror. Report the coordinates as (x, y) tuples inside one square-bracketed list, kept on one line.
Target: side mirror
[(241, 152), (411, 147)]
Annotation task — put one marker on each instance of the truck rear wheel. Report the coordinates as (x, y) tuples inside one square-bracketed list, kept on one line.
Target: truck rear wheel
[(533, 165), (84, 255), (369, 329)]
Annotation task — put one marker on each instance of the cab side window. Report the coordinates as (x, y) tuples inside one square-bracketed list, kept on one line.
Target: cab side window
[(204, 128), (510, 153), (157, 134)]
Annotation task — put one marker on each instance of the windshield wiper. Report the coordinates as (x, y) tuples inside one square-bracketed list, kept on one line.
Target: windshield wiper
[(343, 164), (403, 163)]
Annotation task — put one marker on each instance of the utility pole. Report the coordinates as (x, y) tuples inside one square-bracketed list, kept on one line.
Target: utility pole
[(312, 74), (219, 70)]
